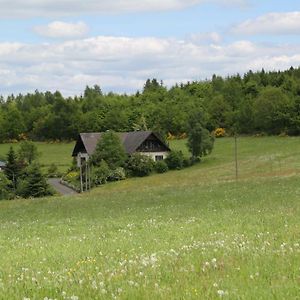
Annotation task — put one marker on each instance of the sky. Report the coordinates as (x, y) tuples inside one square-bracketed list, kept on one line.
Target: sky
[(64, 45)]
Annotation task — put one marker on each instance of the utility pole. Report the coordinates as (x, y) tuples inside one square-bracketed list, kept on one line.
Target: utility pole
[(236, 156)]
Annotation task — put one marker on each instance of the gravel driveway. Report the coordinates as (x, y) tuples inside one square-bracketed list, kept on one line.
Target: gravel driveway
[(60, 188)]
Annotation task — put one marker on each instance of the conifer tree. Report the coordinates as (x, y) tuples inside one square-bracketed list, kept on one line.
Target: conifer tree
[(34, 184), (12, 168)]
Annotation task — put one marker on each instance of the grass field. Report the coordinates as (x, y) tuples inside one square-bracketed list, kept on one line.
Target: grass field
[(190, 234), (58, 153)]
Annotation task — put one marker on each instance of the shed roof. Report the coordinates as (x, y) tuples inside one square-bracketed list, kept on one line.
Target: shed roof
[(130, 140)]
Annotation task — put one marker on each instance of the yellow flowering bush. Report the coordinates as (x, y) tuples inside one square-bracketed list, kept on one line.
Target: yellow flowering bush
[(23, 137), (170, 136), (71, 176), (181, 136), (219, 132)]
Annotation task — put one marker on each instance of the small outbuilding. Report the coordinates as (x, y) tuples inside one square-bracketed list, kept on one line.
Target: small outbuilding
[(2, 165), (146, 142)]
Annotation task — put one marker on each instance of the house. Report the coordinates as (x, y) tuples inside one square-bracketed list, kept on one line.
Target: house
[(146, 142), (2, 165)]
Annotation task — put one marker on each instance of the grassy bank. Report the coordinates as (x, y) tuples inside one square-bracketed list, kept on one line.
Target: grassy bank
[(190, 234)]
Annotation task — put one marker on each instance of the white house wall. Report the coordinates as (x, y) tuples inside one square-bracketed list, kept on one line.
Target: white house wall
[(151, 154), (154, 154)]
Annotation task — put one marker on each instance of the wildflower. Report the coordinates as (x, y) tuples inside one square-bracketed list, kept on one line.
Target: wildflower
[(221, 293), (94, 285)]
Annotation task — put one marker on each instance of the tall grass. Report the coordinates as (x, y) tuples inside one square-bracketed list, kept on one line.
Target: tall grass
[(190, 234)]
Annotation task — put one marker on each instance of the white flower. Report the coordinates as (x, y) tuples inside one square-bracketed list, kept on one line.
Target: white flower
[(130, 282), (221, 293)]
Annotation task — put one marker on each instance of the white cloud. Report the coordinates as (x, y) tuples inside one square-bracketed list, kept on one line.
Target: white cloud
[(63, 30), (38, 8), (271, 23), (122, 64), (209, 37)]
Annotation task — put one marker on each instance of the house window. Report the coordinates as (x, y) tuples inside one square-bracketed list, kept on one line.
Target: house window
[(151, 145), (159, 157)]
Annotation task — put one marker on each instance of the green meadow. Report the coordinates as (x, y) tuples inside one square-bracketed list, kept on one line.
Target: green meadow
[(49, 153), (190, 234)]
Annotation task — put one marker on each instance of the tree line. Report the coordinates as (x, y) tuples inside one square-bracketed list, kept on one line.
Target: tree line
[(257, 102)]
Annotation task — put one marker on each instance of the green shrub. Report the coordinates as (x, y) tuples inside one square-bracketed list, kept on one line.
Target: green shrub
[(139, 165), (175, 160), (100, 174), (161, 166), (5, 192), (73, 179), (28, 152), (117, 174), (73, 166), (53, 172), (187, 162)]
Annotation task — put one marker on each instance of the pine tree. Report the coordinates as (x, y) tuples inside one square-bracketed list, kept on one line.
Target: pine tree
[(12, 168), (34, 184)]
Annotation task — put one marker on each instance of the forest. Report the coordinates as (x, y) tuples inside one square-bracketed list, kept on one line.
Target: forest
[(255, 103)]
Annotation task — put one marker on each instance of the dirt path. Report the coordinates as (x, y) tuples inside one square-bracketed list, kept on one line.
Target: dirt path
[(60, 188)]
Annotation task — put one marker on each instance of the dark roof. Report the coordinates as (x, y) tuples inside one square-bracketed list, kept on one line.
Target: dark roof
[(131, 141)]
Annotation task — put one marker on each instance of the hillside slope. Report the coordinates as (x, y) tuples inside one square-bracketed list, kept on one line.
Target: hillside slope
[(187, 234)]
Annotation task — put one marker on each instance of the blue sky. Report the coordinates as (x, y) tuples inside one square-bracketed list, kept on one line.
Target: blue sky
[(52, 45)]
